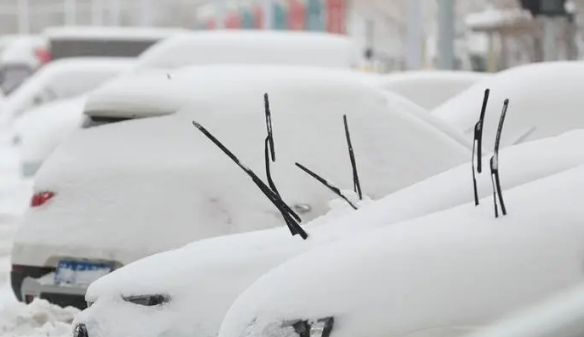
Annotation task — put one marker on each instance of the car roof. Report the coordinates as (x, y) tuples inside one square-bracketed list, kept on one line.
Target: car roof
[(110, 33)]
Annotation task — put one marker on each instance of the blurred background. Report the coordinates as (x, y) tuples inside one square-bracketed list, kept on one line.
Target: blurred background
[(480, 35)]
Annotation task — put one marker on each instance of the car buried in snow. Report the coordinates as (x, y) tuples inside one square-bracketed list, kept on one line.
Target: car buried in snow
[(141, 179), (542, 104), (187, 291), (444, 274)]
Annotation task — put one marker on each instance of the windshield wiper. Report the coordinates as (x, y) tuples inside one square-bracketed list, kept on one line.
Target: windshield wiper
[(356, 183), (333, 188), (477, 145), (494, 163), (290, 217)]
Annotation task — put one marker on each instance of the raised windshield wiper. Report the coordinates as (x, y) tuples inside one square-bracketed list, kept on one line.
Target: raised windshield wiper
[(494, 163), (290, 217), (477, 146), (333, 188), (356, 183)]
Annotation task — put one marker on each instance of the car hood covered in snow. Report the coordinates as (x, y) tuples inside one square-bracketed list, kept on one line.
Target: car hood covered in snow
[(542, 103), (203, 278), (130, 189), (441, 275)]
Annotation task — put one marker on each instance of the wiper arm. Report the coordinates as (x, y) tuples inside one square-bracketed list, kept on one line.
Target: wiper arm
[(494, 163), (330, 186), (477, 146), (356, 183), (286, 211)]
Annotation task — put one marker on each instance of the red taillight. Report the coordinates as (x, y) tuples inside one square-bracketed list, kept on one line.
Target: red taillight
[(41, 198), (17, 267), (43, 55)]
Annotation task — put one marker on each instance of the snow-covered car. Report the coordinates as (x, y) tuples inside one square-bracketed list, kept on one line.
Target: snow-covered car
[(59, 80), (561, 315), (199, 282), (542, 102), (20, 59), (429, 89), (444, 274), (85, 41), (251, 47), (39, 131), (135, 183)]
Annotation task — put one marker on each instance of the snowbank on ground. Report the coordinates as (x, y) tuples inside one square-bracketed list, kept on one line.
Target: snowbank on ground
[(543, 103), (113, 181), (40, 318), (443, 274), (429, 89), (199, 278)]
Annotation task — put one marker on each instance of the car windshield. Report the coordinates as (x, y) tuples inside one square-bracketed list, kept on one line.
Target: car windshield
[(93, 121), (12, 76)]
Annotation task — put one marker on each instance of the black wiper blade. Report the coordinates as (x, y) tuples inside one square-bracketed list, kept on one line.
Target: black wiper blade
[(330, 186), (494, 163), (477, 146), (356, 183), (269, 149), (286, 211)]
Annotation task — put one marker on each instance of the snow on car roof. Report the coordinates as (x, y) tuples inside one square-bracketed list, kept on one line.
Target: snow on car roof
[(252, 47), (110, 33), (211, 263), (429, 89), (41, 129), (59, 71), (542, 103), (153, 92), (448, 272), (204, 192)]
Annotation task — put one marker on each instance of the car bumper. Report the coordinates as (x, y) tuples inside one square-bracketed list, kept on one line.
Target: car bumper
[(45, 288)]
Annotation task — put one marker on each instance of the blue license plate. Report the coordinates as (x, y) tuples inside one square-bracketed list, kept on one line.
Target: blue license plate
[(78, 273)]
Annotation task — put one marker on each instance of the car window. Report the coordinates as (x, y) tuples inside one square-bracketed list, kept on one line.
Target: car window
[(11, 77), (93, 121)]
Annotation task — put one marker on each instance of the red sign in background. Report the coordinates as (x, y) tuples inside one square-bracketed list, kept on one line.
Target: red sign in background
[(296, 15), (258, 17), (335, 16), (233, 21)]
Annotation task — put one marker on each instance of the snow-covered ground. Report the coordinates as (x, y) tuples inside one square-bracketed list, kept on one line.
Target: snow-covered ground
[(40, 318)]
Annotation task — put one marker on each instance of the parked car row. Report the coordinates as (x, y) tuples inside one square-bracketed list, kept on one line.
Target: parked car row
[(255, 190)]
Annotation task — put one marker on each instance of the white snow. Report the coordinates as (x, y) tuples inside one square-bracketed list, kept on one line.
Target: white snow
[(252, 47), (494, 18), (188, 274), (40, 318), (61, 79), (160, 173), (110, 33), (40, 130), (444, 274), (542, 103), (429, 89), (21, 50)]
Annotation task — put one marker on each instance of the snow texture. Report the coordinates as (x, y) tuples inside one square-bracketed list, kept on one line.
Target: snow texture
[(251, 47), (40, 318), (542, 103), (61, 79), (162, 178), (40, 130), (444, 274), (429, 89), (203, 278)]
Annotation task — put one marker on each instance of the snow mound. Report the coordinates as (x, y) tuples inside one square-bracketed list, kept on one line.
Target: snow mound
[(39, 318), (442, 274), (187, 274), (542, 103), (429, 89)]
